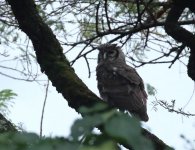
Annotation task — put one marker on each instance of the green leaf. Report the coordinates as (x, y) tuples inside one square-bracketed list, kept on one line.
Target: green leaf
[(99, 107), (127, 130), (151, 90), (88, 123), (109, 145), (55, 144), (7, 94), (17, 140), (31, 141)]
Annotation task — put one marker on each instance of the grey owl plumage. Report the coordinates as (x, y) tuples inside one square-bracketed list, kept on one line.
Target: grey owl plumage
[(119, 84)]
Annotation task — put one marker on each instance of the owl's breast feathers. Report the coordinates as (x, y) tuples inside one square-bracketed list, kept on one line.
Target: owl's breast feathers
[(121, 86)]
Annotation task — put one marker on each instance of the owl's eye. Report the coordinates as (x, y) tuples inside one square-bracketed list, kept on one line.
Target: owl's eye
[(112, 53)]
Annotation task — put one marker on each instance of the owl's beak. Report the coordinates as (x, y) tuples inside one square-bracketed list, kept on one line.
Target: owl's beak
[(104, 56)]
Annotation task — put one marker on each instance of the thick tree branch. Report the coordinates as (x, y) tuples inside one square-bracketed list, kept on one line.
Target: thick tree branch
[(180, 34), (5, 125), (50, 56), (53, 62)]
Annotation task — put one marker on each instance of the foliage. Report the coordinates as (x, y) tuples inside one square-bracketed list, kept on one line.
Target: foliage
[(151, 90), (6, 96), (116, 127)]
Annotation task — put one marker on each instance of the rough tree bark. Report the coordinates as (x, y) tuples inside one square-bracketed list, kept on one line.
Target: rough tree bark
[(53, 62), (5, 125), (180, 34)]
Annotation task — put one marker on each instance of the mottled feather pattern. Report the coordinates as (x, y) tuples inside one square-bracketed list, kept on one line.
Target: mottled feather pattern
[(119, 84)]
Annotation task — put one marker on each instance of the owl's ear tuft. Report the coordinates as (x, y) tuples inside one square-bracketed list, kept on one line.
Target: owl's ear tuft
[(107, 46)]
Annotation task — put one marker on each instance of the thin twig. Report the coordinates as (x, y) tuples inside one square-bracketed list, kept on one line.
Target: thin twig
[(189, 98), (97, 18), (171, 108), (179, 51), (16, 78), (87, 62), (107, 18), (43, 109)]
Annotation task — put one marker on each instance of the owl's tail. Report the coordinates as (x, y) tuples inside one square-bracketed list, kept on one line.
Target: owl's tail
[(141, 114)]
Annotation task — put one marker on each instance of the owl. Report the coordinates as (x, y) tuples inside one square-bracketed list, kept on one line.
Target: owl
[(119, 84)]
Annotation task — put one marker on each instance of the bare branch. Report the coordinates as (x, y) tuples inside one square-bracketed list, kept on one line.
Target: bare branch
[(43, 109), (107, 18), (171, 107)]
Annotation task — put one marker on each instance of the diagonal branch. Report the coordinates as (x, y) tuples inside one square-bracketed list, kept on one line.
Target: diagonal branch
[(180, 34), (5, 125)]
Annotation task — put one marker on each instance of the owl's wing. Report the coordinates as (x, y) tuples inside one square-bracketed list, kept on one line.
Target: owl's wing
[(138, 94), (133, 77), (130, 74)]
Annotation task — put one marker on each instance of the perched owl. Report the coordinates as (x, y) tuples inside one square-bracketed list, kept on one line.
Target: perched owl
[(119, 84)]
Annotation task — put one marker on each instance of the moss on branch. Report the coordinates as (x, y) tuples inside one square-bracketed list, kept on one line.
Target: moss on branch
[(50, 55), (5, 125)]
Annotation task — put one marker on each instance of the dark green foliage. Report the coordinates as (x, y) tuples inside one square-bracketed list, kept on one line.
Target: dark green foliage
[(115, 127), (30, 141), (127, 130)]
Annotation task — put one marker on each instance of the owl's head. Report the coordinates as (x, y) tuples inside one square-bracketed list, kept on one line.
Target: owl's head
[(110, 53)]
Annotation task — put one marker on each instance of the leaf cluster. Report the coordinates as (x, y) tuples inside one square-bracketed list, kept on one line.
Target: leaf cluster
[(6, 96), (115, 127)]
